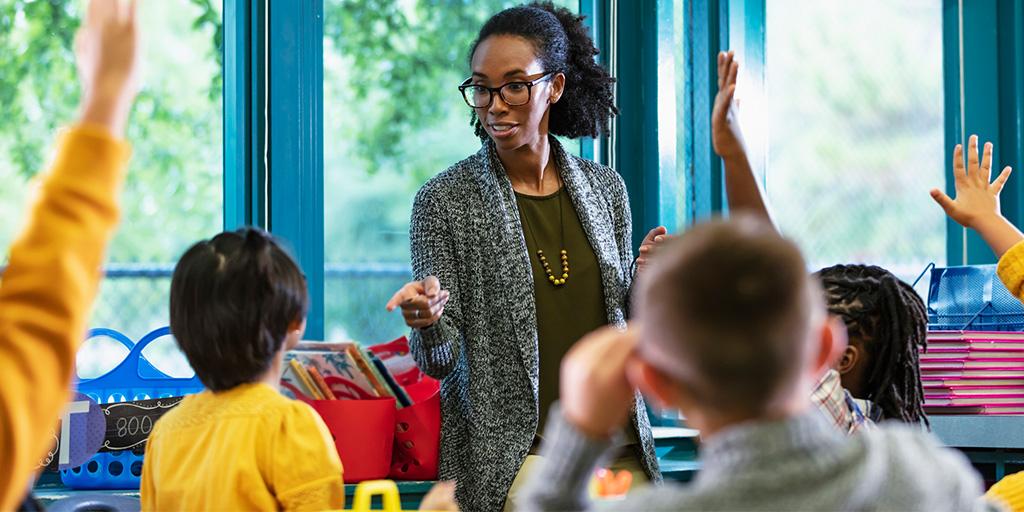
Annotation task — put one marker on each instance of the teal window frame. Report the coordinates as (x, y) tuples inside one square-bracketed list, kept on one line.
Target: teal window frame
[(273, 111), (991, 86)]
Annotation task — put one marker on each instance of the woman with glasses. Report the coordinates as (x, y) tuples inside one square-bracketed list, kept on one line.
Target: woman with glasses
[(518, 251)]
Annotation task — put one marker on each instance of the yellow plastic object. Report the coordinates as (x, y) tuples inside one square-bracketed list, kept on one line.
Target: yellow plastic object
[(386, 489)]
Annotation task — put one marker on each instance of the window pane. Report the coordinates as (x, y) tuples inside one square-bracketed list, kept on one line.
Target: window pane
[(855, 130), (173, 194), (393, 118)]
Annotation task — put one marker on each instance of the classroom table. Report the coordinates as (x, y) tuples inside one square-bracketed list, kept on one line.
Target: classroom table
[(676, 448)]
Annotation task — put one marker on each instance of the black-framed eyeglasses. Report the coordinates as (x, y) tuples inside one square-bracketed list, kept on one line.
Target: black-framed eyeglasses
[(512, 93)]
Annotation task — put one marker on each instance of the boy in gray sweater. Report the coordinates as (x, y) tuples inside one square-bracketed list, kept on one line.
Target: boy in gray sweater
[(733, 331)]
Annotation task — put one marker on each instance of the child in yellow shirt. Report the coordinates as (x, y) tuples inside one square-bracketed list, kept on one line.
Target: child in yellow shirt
[(977, 207), (53, 271), (238, 302)]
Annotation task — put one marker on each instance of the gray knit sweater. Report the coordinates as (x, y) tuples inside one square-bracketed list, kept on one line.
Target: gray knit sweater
[(465, 230), (802, 463)]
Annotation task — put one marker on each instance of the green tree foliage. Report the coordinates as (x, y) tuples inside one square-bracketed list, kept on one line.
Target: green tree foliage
[(173, 193)]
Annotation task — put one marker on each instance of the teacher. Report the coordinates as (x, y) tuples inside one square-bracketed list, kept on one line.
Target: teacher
[(518, 251)]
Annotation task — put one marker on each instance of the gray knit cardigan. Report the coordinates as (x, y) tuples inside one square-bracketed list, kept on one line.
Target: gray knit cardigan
[(465, 230)]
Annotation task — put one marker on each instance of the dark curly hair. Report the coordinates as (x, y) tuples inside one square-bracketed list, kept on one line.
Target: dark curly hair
[(563, 44), (889, 317), (233, 298)]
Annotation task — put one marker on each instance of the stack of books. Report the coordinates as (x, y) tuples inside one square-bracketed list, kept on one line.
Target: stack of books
[(973, 373), (338, 371)]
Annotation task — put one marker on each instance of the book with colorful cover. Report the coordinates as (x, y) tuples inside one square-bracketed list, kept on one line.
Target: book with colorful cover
[(982, 365), (973, 381), (330, 360), (975, 335), (363, 363), (1015, 350), (982, 400), (952, 410), (400, 395)]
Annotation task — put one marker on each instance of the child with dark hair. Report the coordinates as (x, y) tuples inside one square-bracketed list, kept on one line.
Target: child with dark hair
[(885, 316), (238, 302), (733, 331), (887, 325)]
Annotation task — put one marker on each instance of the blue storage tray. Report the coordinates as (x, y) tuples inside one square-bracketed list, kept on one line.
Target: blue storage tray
[(135, 378), (972, 298)]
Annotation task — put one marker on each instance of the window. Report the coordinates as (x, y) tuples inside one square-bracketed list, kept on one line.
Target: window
[(853, 113), (393, 118), (173, 194)]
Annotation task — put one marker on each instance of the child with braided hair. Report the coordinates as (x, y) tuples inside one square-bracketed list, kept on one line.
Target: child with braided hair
[(887, 326), (876, 377)]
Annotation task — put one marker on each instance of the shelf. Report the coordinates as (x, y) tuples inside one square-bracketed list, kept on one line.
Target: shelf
[(979, 431)]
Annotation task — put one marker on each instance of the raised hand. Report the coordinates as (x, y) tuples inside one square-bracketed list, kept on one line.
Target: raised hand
[(654, 238), (422, 302), (977, 197), (596, 394), (106, 47), (726, 136)]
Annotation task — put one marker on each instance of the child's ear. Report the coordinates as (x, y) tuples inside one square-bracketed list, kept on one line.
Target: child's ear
[(296, 330), (849, 359), (832, 345)]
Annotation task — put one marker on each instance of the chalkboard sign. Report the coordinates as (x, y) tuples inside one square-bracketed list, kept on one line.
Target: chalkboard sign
[(128, 425)]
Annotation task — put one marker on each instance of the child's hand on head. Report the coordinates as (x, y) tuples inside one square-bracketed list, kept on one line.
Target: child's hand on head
[(726, 136), (596, 394), (977, 199), (106, 48)]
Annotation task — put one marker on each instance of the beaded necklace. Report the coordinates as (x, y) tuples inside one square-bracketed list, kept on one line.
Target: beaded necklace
[(552, 278)]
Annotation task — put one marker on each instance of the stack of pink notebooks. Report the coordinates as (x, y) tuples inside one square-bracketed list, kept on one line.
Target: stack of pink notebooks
[(973, 373)]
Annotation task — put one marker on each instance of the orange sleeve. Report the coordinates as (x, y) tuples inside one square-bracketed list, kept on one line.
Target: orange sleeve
[(46, 295)]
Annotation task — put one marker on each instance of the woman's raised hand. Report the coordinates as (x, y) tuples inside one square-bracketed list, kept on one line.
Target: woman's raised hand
[(422, 302)]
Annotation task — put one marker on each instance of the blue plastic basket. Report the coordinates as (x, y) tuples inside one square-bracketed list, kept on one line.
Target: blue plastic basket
[(135, 378), (972, 298)]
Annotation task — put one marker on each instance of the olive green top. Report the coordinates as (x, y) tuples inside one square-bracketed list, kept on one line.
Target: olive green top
[(564, 313)]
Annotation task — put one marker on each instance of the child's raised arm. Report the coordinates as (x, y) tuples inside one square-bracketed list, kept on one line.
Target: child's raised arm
[(977, 198), (741, 188), (54, 266)]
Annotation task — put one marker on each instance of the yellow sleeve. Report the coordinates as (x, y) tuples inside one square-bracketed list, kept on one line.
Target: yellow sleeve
[(1009, 491), (306, 473), (46, 293), (1011, 270)]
